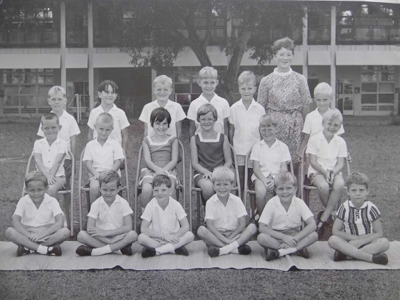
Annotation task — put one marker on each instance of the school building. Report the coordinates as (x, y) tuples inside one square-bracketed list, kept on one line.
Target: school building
[(353, 45)]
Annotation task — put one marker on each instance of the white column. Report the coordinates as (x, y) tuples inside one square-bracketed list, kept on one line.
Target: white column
[(63, 49), (333, 55), (90, 55)]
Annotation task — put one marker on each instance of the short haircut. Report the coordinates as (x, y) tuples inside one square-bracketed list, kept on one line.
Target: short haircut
[(57, 90), (247, 77), (323, 88), (35, 176), (223, 174), (357, 178), (205, 109), (268, 119), (161, 179), (331, 115), (160, 114), (285, 42), (49, 117), (105, 118), (104, 84), (208, 72), (285, 177), (108, 176), (163, 79)]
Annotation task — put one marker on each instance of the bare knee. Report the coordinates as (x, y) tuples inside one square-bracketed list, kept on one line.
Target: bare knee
[(384, 244), (64, 232), (263, 238), (323, 188), (252, 228), (190, 235), (201, 232), (132, 236), (142, 238), (10, 233), (82, 236), (334, 241)]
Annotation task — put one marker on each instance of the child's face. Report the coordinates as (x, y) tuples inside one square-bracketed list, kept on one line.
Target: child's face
[(285, 191), (222, 188), (161, 192), (36, 190), (284, 59), (50, 129), (162, 91), (247, 91), (322, 101), (103, 130), (108, 96), (57, 102), (331, 127), (208, 85), (268, 131), (358, 194), (109, 190), (207, 121), (160, 127)]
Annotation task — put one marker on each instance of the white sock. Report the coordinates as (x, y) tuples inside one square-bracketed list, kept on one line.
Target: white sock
[(228, 248), (117, 251), (102, 250), (283, 252), (167, 248), (42, 249)]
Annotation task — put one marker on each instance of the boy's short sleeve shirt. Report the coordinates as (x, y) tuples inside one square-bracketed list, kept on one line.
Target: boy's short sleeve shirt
[(226, 218), (36, 217), (276, 217), (313, 124), (103, 157), (119, 117), (110, 217), (270, 158), (220, 104), (327, 153), (246, 122), (164, 220), (50, 153), (174, 109)]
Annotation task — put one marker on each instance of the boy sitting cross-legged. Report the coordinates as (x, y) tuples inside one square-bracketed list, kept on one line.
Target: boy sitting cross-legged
[(226, 230), (109, 227), (165, 227), (281, 221), (37, 220), (357, 231)]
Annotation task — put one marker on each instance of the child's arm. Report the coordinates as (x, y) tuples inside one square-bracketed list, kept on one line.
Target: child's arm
[(147, 159), (227, 153), (195, 160), (303, 145), (40, 166), (216, 233), (184, 227), (231, 133), (337, 229), (59, 220), (94, 231), (16, 221), (57, 163), (377, 232), (283, 166), (239, 229), (310, 227), (192, 128), (174, 156), (226, 126), (339, 166), (145, 228), (90, 134), (268, 182), (116, 165), (125, 135), (91, 169), (287, 239), (314, 163)]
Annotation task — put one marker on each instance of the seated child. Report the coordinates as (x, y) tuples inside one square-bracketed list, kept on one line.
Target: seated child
[(281, 221), (208, 149), (327, 152), (165, 227), (208, 81), (109, 226), (102, 154), (37, 220), (162, 89), (160, 153), (49, 154), (270, 156), (357, 231), (244, 121), (226, 230)]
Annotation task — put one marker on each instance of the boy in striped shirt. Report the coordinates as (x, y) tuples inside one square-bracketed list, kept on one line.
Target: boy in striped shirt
[(357, 231)]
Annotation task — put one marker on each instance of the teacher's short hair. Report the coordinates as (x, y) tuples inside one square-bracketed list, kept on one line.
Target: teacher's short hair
[(285, 42)]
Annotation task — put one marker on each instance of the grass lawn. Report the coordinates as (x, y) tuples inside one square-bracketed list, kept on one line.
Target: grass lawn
[(374, 147)]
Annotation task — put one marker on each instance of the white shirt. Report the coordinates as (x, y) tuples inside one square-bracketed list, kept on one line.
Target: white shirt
[(246, 122), (226, 218), (313, 124), (276, 217), (110, 217), (120, 121), (174, 109), (270, 158), (49, 153), (220, 104), (327, 153), (164, 220), (36, 217)]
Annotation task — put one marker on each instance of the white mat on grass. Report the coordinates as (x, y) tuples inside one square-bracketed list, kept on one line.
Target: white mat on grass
[(321, 257)]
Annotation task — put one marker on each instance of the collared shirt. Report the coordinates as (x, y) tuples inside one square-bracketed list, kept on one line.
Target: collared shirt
[(164, 220), (276, 217), (327, 153), (110, 217), (246, 122), (119, 117), (226, 218), (103, 157), (174, 109), (270, 158), (220, 104), (49, 153), (313, 124), (36, 217)]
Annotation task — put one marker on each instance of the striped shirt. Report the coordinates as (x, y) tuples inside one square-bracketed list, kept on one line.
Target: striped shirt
[(358, 221)]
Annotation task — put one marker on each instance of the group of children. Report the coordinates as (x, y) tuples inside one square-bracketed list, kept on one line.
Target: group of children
[(285, 223)]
